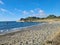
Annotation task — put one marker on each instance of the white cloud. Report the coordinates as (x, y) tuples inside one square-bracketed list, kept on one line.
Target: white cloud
[(32, 11), (1, 2), (6, 11), (41, 12), (24, 12), (36, 12), (3, 10)]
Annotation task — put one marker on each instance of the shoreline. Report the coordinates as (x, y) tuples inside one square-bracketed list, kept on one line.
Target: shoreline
[(38, 33), (20, 29)]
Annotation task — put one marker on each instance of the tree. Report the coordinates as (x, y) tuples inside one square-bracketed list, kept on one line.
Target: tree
[(22, 19), (51, 16)]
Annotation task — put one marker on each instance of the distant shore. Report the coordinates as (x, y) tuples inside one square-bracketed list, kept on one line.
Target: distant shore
[(43, 20), (32, 35)]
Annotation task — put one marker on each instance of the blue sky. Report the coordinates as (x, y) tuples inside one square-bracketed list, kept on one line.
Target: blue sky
[(11, 10)]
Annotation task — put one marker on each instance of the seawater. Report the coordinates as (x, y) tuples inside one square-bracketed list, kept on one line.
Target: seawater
[(6, 26)]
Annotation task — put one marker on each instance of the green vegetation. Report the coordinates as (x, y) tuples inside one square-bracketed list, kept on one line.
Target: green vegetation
[(29, 19), (51, 16)]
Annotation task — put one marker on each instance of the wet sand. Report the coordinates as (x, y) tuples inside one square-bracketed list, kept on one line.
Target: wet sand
[(35, 35)]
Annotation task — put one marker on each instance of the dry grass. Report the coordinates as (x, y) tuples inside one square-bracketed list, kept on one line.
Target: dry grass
[(55, 40), (48, 20)]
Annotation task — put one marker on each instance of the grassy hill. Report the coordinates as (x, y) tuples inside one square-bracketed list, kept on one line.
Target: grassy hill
[(49, 18)]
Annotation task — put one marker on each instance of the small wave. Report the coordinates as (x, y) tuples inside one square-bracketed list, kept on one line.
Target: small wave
[(1, 30), (18, 29)]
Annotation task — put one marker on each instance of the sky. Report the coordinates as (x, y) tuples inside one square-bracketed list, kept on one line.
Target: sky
[(12, 10)]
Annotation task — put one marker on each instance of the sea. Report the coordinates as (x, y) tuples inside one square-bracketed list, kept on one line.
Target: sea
[(7, 26)]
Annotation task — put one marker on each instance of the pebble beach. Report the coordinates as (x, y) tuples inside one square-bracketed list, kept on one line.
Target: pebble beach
[(34, 35)]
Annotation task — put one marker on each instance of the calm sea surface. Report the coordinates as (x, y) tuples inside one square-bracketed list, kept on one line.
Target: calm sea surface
[(9, 25)]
